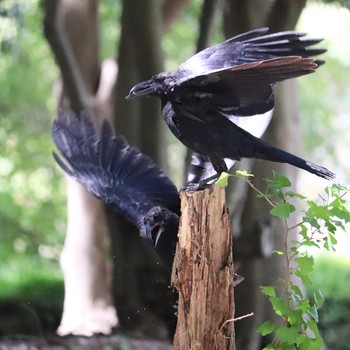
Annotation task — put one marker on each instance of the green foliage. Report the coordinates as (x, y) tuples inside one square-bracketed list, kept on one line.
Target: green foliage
[(110, 12), (344, 3), (325, 275), (332, 275), (32, 214), (320, 221), (222, 181), (298, 311)]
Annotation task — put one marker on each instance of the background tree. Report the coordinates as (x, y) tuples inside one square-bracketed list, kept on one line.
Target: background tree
[(72, 30), (256, 232)]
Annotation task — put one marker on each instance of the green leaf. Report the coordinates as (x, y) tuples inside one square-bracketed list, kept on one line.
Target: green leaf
[(297, 290), (283, 210), (312, 325), (313, 312), (269, 347), (243, 173), (310, 244), (282, 309), (318, 298), (223, 180), (280, 180), (287, 334), (307, 342), (278, 252), (267, 328), (318, 211), (306, 265), (292, 194), (332, 238), (268, 290)]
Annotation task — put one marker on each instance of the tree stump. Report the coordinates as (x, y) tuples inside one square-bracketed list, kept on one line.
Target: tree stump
[(203, 273)]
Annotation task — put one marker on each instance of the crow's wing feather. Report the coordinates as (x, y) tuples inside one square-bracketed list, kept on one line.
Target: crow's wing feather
[(243, 90), (110, 169), (249, 47)]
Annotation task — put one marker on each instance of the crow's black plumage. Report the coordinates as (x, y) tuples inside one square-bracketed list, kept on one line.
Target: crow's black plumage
[(200, 167), (122, 177), (235, 78)]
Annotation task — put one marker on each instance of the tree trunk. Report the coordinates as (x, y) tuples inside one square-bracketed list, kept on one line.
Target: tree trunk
[(88, 306), (203, 273), (140, 281), (171, 9)]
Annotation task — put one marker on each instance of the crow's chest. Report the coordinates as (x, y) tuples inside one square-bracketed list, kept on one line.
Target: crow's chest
[(199, 132)]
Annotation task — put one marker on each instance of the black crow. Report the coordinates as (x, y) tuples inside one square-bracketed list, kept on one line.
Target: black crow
[(235, 78), (122, 177)]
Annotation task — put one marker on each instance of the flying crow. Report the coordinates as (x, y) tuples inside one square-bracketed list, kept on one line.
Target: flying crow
[(235, 78), (122, 177)]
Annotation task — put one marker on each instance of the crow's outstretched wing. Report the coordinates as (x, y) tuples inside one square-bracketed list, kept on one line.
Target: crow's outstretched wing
[(249, 47), (243, 90), (201, 168), (110, 169)]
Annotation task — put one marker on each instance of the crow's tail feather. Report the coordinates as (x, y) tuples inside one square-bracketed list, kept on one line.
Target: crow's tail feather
[(278, 155)]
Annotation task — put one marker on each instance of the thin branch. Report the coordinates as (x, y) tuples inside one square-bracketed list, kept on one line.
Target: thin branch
[(236, 319), (296, 225), (261, 193)]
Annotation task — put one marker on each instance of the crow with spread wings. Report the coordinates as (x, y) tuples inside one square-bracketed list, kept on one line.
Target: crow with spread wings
[(235, 78), (121, 176)]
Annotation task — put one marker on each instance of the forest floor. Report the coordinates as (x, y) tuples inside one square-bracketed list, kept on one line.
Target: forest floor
[(29, 322), (54, 342)]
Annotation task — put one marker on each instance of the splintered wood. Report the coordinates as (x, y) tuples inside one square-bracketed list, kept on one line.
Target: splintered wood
[(203, 273)]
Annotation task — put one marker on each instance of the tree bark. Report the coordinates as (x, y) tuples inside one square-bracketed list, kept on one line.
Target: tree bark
[(206, 24), (140, 57), (203, 273), (88, 305), (140, 281)]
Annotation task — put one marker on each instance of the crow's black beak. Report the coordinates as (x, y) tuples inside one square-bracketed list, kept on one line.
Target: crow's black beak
[(142, 89)]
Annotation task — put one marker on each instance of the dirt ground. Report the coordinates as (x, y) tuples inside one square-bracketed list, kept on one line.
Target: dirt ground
[(115, 342)]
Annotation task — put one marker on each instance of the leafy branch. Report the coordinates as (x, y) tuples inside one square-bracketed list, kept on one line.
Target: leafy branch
[(317, 229)]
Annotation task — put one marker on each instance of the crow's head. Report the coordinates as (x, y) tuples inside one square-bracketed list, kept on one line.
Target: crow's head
[(159, 220), (160, 227), (156, 86)]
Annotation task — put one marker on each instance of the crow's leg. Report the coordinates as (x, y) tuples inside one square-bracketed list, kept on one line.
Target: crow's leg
[(199, 186), (219, 166)]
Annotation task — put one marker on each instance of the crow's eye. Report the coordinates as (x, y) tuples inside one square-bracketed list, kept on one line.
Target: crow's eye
[(159, 80)]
